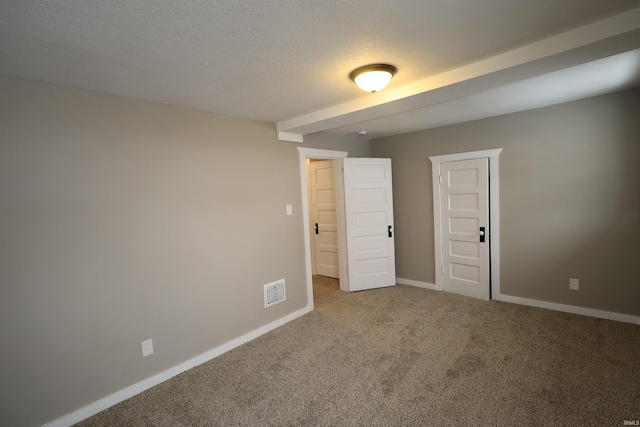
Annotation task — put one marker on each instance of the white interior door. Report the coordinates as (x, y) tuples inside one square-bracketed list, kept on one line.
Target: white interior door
[(324, 218), (465, 227), (368, 200)]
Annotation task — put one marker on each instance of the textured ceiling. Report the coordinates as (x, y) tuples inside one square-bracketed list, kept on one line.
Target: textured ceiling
[(269, 60)]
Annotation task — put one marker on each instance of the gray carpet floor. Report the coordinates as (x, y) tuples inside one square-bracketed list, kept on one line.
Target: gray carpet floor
[(405, 356)]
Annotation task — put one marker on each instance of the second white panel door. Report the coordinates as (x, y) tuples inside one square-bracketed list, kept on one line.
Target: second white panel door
[(323, 208), (465, 227)]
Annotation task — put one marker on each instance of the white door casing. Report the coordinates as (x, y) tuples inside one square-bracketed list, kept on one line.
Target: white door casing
[(465, 218), (315, 153), (324, 218), (368, 199), (441, 226)]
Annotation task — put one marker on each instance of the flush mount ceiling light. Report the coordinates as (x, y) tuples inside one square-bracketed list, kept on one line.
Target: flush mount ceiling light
[(373, 77)]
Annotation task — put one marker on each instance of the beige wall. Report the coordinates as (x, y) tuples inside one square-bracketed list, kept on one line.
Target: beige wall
[(123, 220), (569, 194)]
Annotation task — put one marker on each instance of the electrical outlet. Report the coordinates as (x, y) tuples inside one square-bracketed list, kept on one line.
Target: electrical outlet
[(147, 348), (574, 284)]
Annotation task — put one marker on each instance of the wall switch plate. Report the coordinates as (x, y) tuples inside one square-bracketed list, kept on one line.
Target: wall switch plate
[(289, 210), (147, 348), (574, 284)]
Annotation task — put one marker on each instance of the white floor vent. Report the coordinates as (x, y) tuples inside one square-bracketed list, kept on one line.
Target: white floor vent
[(274, 293)]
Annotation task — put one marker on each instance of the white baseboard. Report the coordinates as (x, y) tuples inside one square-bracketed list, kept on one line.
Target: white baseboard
[(619, 317), (126, 393), (626, 318), (417, 284)]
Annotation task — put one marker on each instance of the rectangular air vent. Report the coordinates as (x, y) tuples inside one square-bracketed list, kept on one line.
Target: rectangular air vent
[(274, 293)]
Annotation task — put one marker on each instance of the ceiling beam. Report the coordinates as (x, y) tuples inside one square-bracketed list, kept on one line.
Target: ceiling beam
[(618, 34)]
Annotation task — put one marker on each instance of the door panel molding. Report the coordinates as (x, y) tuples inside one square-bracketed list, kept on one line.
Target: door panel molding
[(494, 212)]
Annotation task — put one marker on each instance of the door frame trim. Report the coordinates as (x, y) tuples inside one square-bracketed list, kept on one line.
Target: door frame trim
[(314, 153), (494, 212)]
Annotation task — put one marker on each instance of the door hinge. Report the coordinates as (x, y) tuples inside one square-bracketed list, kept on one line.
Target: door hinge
[(440, 178), (442, 270)]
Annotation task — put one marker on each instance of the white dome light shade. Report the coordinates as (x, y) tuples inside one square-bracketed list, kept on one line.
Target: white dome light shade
[(373, 81), (374, 77)]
